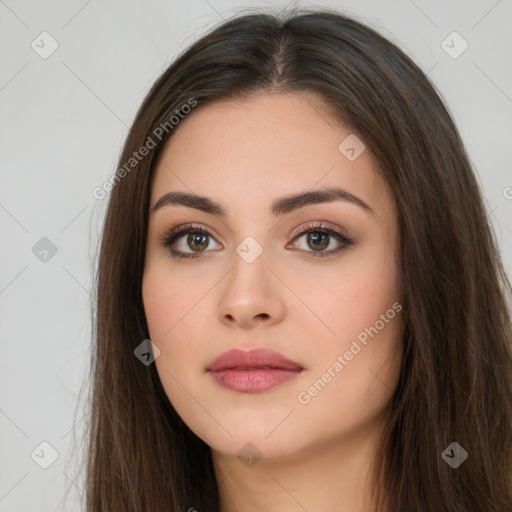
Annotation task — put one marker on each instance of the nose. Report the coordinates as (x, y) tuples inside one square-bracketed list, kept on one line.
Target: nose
[(251, 295)]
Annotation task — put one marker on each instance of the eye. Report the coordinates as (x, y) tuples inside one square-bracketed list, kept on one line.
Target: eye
[(319, 236), (197, 239)]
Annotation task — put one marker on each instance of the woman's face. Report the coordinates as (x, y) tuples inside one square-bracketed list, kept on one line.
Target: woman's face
[(329, 304)]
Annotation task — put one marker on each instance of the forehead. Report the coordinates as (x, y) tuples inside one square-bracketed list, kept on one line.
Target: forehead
[(262, 146)]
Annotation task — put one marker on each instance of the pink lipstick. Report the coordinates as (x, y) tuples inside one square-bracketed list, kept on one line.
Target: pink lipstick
[(253, 371)]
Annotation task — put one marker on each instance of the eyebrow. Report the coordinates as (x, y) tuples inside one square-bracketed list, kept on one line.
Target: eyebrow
[(279, 207)]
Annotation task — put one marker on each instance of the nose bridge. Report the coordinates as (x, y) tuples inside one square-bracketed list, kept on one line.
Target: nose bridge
[(249, 293), (249, 271)]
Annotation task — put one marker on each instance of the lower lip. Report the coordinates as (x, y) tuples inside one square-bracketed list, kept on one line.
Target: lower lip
[(253, 381)]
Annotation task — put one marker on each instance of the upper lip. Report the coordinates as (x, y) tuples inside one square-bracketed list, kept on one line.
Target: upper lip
[(255, 358)]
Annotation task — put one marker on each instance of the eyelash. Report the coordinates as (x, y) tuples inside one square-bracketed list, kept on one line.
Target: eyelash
[(167, 239)]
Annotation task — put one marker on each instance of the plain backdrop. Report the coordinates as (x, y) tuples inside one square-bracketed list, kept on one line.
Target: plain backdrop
[(64, 117)]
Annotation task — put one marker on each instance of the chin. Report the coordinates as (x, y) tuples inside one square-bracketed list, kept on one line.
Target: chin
[(262, 441)]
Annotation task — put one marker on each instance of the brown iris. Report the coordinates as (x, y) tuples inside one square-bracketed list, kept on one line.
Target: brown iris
[(318, 238), (195, 238)]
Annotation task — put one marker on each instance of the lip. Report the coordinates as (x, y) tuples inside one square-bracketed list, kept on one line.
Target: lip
[(253, 371)]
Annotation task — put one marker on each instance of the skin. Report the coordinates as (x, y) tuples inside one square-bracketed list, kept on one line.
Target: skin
[(244, 154)]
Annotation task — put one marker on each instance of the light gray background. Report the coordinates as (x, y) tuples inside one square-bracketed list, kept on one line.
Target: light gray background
[(63, 121)]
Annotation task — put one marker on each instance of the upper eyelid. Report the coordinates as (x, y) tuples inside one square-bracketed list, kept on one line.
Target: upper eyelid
[(184, 229), (320, 225)]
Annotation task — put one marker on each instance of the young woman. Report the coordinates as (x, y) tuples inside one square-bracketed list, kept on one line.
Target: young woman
[(300, 302)]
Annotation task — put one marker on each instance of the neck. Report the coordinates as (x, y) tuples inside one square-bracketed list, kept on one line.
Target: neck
[(331, 475)]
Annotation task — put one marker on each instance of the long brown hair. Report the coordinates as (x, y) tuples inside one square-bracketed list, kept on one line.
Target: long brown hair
[(456, 378)]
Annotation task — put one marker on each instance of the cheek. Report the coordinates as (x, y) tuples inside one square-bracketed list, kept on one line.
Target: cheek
[(169, 299), (160, 305), (360, 321), (350, 296), (357, 368), (174, 308), (176, 321)]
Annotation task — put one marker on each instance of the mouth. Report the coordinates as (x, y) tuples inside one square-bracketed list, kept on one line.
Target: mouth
[(253, 371), (256, 368)]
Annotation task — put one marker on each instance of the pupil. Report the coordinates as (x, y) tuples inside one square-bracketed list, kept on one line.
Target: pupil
[(318, 238), (194, 238)]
